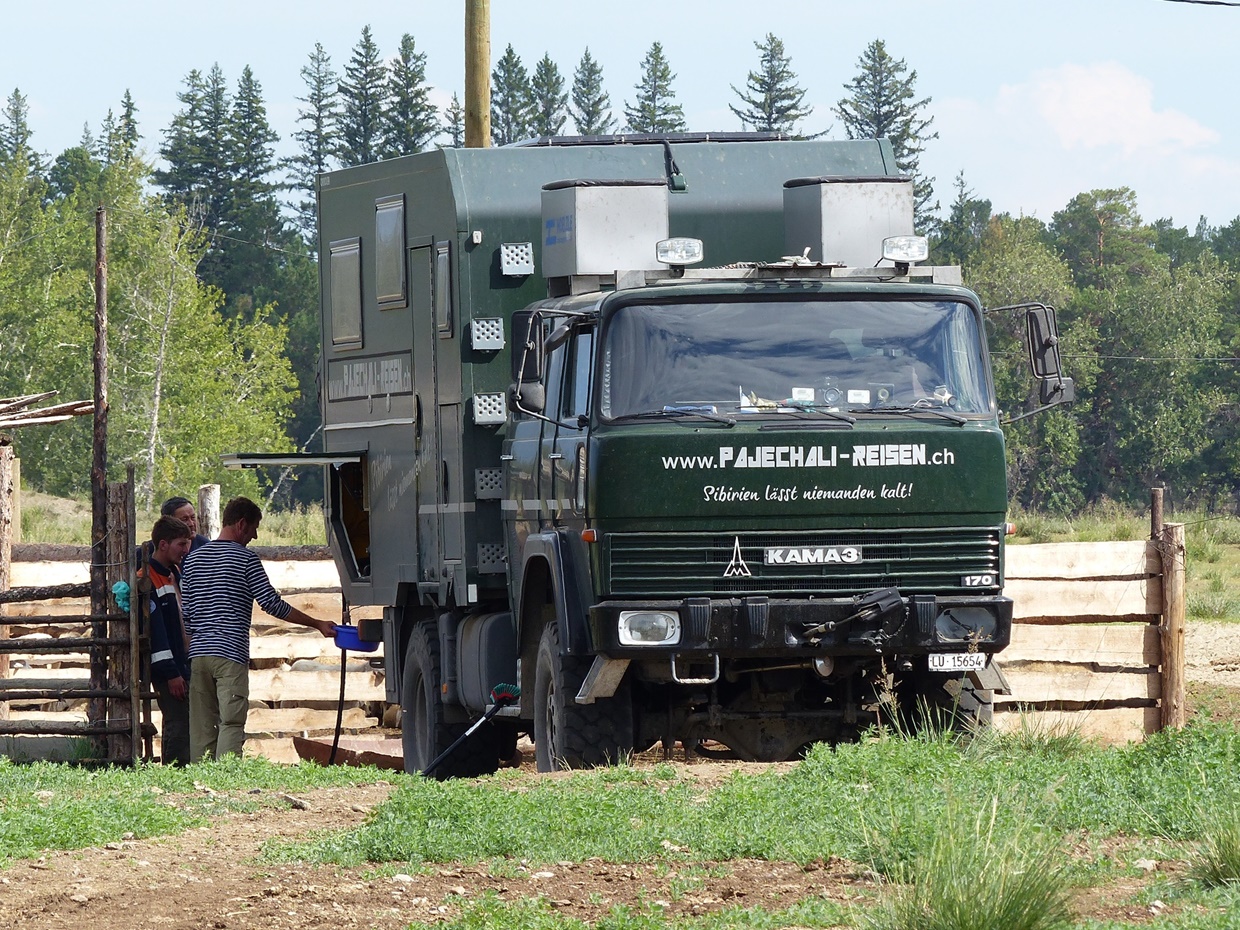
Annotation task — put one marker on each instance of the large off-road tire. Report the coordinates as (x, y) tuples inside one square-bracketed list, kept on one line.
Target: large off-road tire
[(568, 735), (424, 731)]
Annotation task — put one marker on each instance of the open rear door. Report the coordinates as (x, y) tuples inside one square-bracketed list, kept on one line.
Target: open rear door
[(348, 500)]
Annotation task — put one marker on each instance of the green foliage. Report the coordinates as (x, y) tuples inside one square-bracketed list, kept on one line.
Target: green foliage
[(410, 120), (512, 101), (185, 384), (958, 238), (15, 131), (773, 101), (591, 106), (363, 93), (454, 123), (1012, 265), (882, 104), (316, 140), (550, 99), (654, 109)]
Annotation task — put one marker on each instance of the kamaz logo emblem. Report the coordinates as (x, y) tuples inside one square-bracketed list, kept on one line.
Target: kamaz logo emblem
[(813, 555), (737, 566)]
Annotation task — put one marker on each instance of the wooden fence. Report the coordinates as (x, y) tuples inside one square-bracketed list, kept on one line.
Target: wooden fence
[(1098, 643), (1096, 646)]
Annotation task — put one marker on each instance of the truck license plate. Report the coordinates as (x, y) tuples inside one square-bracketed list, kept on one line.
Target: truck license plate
[(957, 661)]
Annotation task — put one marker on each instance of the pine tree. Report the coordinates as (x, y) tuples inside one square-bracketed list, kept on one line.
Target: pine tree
[(122, 143), (774, 102), (882, 103), (15, 132), (550, 99), (182, 148), (512, 103), (454, 123), (118, 138), (196, 149), (242, 262), (217, 159), (363, 94), (591, 107), (654, 110), (960, 236), (317, 140), (410, 120)]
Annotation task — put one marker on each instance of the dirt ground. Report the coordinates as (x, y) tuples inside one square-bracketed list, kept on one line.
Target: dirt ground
[(213, 878)]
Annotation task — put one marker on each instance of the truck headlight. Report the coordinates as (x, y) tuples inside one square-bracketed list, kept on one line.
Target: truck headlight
[(648, 628), (965, 624)]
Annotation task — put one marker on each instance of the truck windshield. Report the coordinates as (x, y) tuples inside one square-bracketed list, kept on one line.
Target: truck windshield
[(762, 357)]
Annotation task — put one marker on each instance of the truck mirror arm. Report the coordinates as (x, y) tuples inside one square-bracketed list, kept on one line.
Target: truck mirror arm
[(519, 392)]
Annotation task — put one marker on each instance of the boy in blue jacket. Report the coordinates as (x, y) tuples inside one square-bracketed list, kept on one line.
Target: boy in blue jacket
[(170, 668)]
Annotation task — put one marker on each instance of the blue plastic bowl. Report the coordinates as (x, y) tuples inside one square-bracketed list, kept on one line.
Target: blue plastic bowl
[(347, 638)]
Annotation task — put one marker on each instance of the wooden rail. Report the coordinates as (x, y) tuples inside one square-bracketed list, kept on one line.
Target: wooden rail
[(1088, 648)]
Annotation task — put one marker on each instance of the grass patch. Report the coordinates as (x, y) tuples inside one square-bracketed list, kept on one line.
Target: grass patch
[(48, 519), (974, 872), (46, 806), (488, 911), (864, 802), (1218, 860)]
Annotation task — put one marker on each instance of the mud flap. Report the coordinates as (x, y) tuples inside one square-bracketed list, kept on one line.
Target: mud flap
[(990, 678)]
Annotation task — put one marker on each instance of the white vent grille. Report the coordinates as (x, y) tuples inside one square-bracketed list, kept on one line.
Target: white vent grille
[(487, 334), (516, 258), (488, 484), (489, 409), (491, 559)]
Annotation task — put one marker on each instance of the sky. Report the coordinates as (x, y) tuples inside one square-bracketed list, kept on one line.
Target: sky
[(1033, 101)]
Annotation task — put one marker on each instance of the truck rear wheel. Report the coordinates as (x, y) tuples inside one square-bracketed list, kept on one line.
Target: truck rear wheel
[(424, 731), (568, 735)]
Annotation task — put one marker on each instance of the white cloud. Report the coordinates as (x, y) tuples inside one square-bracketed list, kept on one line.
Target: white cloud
[(1102, 106), (1033, 144)]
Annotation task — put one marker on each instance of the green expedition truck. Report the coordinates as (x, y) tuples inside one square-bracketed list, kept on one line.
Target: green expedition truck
[(745, 507)]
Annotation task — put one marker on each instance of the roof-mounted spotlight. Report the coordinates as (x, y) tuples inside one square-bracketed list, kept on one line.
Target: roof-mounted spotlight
[(678, 252)]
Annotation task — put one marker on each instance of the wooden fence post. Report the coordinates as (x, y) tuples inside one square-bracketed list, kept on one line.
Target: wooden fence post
[(121, 671), (1171, 545), (209, 510), (7, 499)]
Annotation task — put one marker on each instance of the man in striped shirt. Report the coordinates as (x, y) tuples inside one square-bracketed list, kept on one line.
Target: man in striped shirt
[(219, 584)]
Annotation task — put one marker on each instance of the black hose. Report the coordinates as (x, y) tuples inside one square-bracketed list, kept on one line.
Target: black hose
[(344, 659)]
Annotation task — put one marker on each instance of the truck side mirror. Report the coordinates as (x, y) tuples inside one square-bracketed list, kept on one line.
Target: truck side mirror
[(527, 397), (1043, 337), (526, 394), (527, 346)]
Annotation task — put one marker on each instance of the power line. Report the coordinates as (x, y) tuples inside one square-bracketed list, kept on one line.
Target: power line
[(1206, 2)]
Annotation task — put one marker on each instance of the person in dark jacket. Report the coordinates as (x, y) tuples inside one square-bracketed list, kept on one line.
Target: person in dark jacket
[(170, 667), (183, 509)]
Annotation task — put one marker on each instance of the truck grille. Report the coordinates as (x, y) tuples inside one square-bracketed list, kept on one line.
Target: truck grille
[(917, 561)]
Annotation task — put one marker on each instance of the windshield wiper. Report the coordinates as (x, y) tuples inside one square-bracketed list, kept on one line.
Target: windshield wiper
[(913, 411), (705, 412)]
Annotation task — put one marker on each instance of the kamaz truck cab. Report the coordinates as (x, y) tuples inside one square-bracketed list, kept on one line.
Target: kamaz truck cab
[(744, 504)]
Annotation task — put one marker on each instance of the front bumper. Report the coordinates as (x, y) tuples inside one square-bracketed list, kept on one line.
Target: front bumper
[(771, 627)]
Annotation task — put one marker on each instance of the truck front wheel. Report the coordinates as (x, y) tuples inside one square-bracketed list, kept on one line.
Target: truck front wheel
[(568, 735), (424, 731)]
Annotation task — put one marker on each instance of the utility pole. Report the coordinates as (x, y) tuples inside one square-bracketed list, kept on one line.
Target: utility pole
[(477, 74)]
